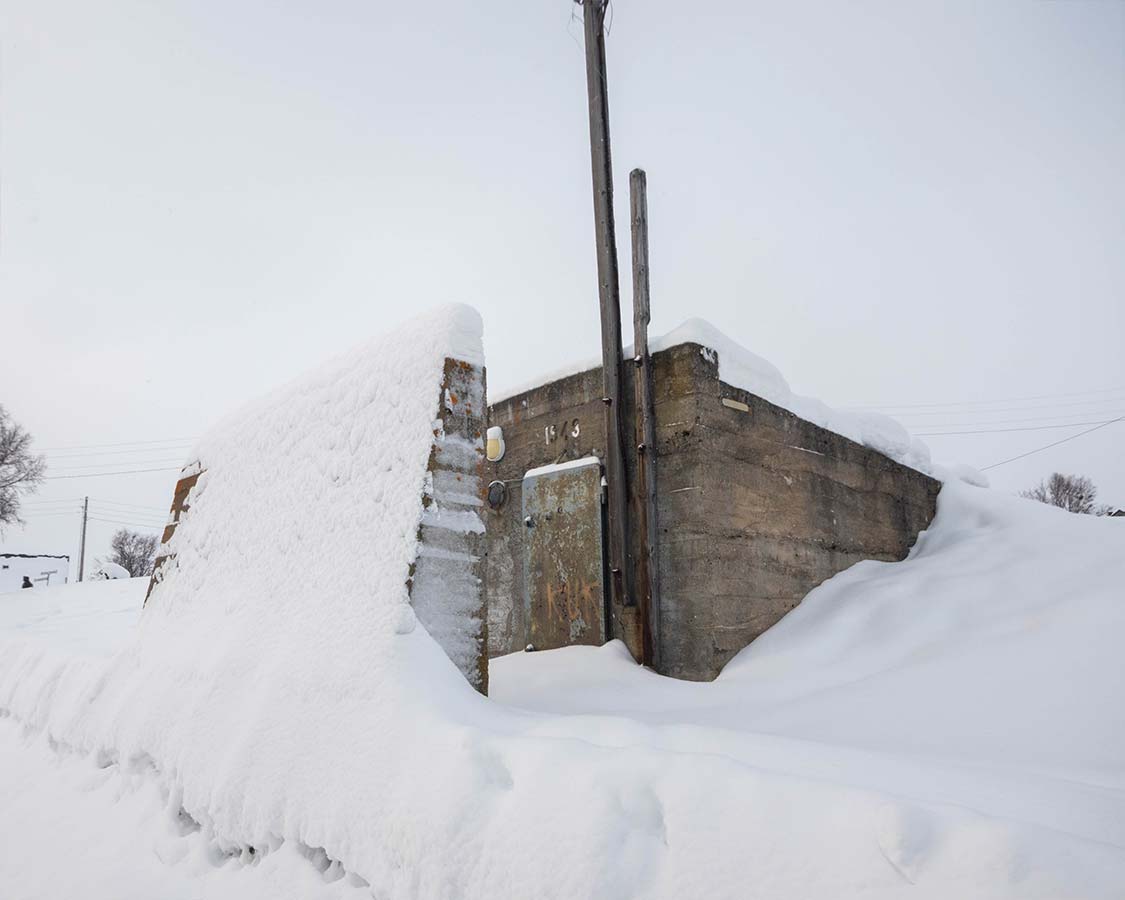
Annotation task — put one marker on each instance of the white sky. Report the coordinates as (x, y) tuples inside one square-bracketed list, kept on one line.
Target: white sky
[(897, 203)]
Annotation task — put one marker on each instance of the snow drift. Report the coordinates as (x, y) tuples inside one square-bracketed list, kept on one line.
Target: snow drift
[(280, 627)]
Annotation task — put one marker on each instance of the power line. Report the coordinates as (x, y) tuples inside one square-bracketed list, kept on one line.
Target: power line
[(1040, 420), (156, 509), (131, 513), (119, 444), (139, 506), (148, 525), (130, 462), (1114, 401), (89, 453), (891, 405), (151, 519), (1049, 446), (102, 474), (1025, 428)]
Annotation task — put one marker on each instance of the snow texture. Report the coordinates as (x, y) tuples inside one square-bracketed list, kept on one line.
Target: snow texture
[(742, 369)]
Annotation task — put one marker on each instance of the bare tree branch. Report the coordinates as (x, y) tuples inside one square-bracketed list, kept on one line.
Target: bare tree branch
[(1074, 493), (21, 470), (133, 550)]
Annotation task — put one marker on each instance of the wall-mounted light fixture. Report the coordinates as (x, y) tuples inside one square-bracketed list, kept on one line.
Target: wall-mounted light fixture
[(497, 494), (494, 448)]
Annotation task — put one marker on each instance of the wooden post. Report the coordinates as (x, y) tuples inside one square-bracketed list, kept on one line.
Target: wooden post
[(620, 570), (82, 540), (647, 585)]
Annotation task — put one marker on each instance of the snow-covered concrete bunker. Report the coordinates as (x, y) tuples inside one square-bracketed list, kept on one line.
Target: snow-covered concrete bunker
[(340, 510), (756, 505)]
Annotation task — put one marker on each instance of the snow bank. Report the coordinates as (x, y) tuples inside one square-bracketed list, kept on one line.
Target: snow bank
[(982, 673), (996, 641), (280, 628), (742, 369), (108, 834), (303, 528), (93, 618)]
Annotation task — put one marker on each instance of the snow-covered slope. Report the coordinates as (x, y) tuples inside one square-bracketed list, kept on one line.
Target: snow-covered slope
[(945, 726), (91, 618), (982, 672), (996, 639)]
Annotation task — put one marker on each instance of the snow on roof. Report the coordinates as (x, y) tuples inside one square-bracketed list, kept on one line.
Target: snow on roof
[(551, 468), (740, 368), (113, 570)]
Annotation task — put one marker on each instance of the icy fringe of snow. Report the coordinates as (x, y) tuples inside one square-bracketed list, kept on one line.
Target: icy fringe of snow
[(747, 371)]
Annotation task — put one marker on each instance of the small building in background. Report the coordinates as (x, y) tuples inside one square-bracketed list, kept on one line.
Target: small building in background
[(42, 570), (109, 571)]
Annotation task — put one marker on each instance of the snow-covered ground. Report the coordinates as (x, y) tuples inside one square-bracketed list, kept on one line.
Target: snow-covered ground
[(947, 726)]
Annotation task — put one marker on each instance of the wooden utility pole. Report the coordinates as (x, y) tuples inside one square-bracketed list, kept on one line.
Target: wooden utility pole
[(609, 295), (82, 541), (647, 585)]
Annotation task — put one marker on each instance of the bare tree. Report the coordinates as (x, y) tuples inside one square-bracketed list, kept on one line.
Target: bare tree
[(21, 471), (133, 550), (1074, 493)]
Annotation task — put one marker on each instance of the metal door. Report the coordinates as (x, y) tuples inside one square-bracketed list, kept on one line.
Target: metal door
[(562, 514)]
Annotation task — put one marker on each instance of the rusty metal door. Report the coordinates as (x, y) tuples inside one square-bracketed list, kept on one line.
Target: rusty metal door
[(563, 568)]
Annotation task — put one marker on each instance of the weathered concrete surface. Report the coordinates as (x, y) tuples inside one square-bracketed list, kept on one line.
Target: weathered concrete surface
[(554, 423), (755, 507), (445, 581)]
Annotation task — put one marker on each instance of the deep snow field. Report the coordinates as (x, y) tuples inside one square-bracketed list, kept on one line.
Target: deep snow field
[(948, 726), (277, 721)]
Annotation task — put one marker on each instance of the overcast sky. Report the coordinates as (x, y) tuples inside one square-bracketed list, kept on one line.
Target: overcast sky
[(913, 205)]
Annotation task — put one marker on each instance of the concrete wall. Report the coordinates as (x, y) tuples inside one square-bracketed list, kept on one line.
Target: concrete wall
[(445, 581), (755, 507), (446, 578), (572, 408)]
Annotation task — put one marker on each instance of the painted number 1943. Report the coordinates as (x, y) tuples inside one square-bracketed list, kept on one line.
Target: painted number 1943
[(568, 430)]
